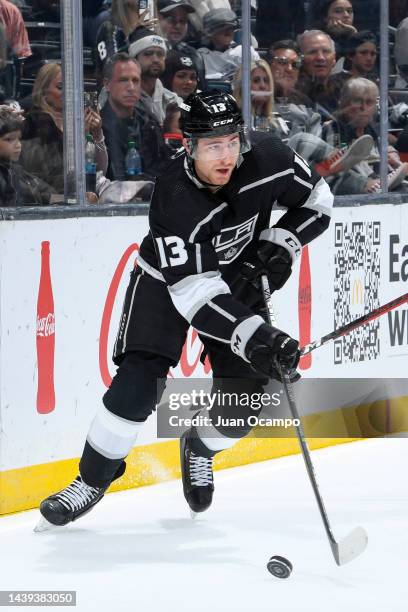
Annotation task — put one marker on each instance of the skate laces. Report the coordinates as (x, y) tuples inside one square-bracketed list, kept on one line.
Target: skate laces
[(200, 470), (77, 495)]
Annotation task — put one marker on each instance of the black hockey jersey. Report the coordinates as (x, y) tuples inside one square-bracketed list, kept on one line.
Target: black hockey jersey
[(198, 240)]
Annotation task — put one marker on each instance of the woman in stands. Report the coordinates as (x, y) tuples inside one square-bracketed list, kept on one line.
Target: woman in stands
[(336, 17), (42, 153), (180, 75)]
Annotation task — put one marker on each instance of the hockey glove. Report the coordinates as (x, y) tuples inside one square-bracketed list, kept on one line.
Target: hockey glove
[(268, 347), (274, 261)]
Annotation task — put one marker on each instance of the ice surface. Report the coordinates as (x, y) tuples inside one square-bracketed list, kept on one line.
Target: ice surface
[(140, 551)]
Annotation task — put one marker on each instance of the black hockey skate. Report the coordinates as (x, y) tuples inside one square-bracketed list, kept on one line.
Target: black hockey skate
[(197, 475), (69, 504)]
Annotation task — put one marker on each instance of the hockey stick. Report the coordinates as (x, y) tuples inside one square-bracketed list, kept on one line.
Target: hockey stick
[(356, 541), (346, 329)]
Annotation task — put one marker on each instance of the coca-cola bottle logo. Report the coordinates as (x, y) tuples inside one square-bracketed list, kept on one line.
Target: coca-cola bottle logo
[(46, 325), (45, 335)]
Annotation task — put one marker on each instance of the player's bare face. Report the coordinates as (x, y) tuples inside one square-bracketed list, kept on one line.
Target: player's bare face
[(216, 158)]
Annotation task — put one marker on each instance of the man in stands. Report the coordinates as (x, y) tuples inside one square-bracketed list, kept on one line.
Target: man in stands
[(319, 58), (150, 51), (125, 118)]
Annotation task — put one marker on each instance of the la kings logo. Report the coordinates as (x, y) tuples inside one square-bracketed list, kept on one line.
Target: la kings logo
[(232, 240)]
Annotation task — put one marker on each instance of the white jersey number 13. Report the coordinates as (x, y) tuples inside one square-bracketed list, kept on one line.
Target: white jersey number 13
[(175, 247)]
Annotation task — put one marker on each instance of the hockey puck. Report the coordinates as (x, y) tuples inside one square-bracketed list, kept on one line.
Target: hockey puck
[(279, 567)]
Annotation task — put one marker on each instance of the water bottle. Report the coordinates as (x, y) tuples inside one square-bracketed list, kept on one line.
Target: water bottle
[(90, 164), (133, 162)]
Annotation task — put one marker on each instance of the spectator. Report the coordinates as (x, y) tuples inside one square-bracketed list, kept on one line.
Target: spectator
[(362, 55), (221, 55), (285, 61), (355, 118), (262, 115), (326, 159), (42, 153), (173, 23), (17, 187), (293, 105), (336, 17), (360, 62), (319, 57), (16, 33), (150, 51), (125, 118), (116, 33), (180, 74)]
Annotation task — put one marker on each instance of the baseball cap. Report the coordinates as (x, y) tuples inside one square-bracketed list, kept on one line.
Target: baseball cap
[(165, 6), (175, 61), (219, 18)]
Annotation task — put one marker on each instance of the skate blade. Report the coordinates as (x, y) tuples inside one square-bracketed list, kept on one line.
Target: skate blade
[(44, 525), (193, 514)]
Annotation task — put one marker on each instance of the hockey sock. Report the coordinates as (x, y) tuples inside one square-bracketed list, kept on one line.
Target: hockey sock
[(109, 441)]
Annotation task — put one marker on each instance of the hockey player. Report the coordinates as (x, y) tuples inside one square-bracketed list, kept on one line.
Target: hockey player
[(209, 216)]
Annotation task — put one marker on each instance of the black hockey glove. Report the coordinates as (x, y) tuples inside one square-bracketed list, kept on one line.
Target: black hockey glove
[(268, 347), (274, 261)]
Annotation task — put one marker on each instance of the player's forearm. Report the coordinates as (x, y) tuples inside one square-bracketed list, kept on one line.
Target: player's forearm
[(307, 222), (205, 301)]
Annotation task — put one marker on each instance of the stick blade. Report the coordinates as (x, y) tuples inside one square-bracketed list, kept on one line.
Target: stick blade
[(350, 547)]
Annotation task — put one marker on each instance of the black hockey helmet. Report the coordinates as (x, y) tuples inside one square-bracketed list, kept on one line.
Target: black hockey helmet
[(206, 114)]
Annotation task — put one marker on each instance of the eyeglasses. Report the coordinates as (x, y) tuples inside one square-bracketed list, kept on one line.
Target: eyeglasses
[(285, 61)]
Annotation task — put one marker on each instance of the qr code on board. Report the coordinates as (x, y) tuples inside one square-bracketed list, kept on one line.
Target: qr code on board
[(356, 285)]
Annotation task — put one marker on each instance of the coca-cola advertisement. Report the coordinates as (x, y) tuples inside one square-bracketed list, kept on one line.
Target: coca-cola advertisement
[(305, 307), (190, 363), (45, 336)]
